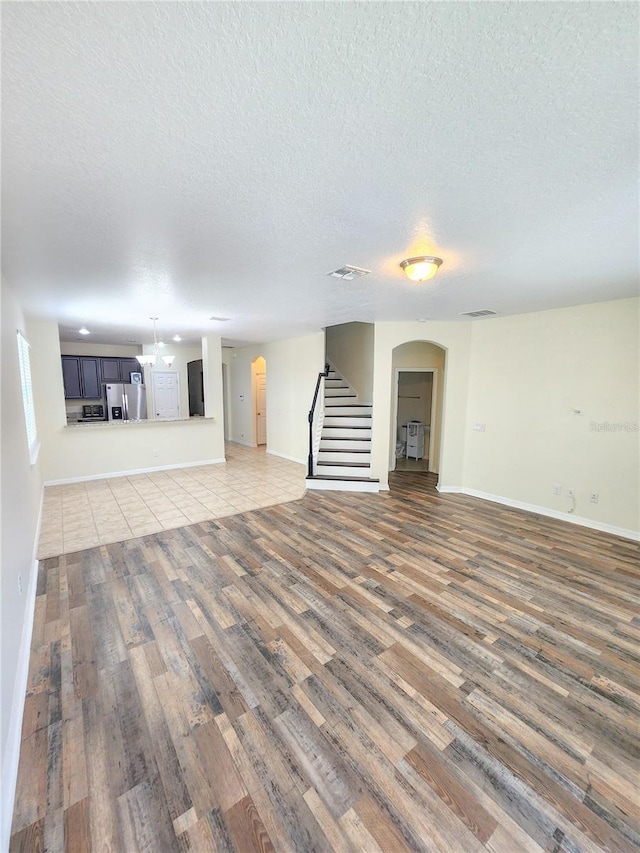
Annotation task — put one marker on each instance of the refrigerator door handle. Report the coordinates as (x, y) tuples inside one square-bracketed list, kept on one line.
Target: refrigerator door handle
[(125, 407)]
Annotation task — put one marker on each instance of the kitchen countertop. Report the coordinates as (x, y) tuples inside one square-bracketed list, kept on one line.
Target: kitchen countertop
[(119, 424)]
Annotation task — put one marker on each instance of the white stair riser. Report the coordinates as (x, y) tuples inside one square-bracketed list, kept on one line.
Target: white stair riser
[(343, 471), (343, 456), (344, 409), (339, 392), (346, 432), (342, 486), (348, 421), (345, 444), (335, 381)]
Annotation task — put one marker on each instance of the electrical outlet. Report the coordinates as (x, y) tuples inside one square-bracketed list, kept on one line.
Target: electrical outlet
[(478, 427), (557, 489), (571, 493), (19, 584), (156, 453), (594, 497)]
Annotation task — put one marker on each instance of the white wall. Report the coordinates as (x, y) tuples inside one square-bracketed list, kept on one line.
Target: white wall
[(21, 496), (349, 349), (456, 339), (528, 374), (96, 450), (292, 370)]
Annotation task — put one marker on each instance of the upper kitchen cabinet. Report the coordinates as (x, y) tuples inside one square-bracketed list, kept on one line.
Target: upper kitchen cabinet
[(111, 369), (81, 375), (71, 377), (119, 369), (84, 375), (127, 367)]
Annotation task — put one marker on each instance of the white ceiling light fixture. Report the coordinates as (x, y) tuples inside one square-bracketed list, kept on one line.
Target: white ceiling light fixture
[(152, 358), (422, 267), (177, 338), (84, 331)]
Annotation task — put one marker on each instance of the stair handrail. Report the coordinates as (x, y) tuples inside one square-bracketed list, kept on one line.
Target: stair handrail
[(312, 410)]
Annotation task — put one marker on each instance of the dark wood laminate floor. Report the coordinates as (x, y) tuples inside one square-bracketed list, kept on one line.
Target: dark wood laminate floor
[(403, 671)]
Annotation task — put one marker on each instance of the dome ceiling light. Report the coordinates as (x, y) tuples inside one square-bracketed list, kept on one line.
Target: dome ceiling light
[(421, 268)]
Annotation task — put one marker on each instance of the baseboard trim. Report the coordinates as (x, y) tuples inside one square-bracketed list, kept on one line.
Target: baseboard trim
[(288, 458), (14, 735), (546, 511), (133, 471), (242, 442)]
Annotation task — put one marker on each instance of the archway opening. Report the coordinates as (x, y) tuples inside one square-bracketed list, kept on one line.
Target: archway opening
[(417, 407)]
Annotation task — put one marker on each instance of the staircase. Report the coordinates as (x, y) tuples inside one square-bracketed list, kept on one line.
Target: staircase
[(343, 460)]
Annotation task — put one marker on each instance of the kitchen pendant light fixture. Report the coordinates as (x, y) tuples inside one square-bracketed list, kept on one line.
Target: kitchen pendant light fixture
[(421, 268), (152, 358)]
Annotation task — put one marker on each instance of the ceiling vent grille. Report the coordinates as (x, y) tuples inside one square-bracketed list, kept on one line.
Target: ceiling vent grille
[(483, 312), (348, 273)]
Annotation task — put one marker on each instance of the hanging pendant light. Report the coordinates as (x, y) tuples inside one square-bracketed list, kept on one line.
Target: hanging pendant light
[(152, 358)]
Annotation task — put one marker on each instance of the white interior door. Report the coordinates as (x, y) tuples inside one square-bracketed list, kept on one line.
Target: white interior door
[(261, 408), (166, 394)]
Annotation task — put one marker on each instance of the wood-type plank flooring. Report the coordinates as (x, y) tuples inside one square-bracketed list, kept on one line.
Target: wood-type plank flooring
[(347, 672)]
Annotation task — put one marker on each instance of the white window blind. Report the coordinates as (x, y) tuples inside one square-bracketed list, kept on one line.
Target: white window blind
[(27, 396)]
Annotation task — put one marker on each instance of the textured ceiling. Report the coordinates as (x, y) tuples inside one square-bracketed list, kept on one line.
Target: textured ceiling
[(185, 160)]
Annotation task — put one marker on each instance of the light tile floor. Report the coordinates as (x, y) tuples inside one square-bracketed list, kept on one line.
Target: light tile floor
[(96, 512)]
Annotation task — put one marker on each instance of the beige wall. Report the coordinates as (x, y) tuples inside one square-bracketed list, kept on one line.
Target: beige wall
[(416, 354), (455, 338), (292, 370), (21, 496), (528, 375), (349, 349), (70, 453), (102, 350)]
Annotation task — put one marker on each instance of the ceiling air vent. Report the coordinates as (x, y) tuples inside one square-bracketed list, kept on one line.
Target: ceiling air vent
[(348, 273), (483, 312)]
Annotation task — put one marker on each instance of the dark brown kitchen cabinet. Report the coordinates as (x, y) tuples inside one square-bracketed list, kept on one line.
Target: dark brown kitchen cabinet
[(84, 375), (90, 378), (111, 369), (81, 378), (118, 369), (127, 367), (71, 377)]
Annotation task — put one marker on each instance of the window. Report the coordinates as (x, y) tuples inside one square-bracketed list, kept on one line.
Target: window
[(27, 397)]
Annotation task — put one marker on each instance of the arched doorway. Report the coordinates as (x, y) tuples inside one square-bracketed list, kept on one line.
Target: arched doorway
[(259, 386), (416, 407)]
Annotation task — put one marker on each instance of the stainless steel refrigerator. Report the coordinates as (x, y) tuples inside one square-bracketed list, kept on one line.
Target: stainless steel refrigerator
[(126, 402)]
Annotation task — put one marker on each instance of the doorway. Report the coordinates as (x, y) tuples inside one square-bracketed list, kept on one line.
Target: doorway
[(415, 414), (195, 384), (225, 400), (259, 371), (166, 394)]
